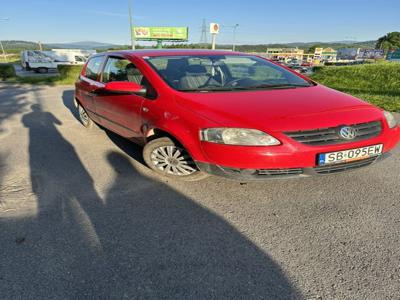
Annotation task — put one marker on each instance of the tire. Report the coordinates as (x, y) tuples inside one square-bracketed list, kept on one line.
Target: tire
[(168, 158), (42, 70), (84, 117)]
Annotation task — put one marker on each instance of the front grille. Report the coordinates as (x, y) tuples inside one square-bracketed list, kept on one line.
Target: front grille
[(280, 172), (345, 166), (329, 136)]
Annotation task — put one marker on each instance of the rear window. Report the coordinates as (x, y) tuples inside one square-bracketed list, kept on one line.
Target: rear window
[(93, 67)]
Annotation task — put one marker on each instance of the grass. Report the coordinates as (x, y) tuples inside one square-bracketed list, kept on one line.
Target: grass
[(67, 76), (378, 83)]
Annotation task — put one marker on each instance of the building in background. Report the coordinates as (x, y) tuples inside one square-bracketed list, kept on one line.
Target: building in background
[(328, 55), (284, 54), (394, 55)]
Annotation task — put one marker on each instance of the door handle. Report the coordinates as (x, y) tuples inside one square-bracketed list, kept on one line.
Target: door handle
[(145, 109)]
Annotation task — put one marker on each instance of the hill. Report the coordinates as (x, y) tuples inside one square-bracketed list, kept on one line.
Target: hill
[(82, 45), (16, 46)]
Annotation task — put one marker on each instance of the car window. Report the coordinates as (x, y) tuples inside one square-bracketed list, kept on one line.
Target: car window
[(121, 69), (93, 67)]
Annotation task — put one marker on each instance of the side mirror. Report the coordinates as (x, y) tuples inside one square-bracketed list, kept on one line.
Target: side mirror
[(125, 87)]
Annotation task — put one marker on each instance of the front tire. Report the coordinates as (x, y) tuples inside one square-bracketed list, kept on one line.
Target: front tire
[(168, 158), (84, 117)]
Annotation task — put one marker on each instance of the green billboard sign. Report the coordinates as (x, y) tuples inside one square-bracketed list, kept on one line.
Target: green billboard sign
[(161, 33)]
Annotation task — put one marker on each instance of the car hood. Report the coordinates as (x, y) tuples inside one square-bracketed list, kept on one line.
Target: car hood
[(280, 110)]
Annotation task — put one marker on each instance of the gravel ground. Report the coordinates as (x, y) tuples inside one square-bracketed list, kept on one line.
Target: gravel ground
[(82, 217)]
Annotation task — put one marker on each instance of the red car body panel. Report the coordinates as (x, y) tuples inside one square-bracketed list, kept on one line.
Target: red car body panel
[(184, 114)]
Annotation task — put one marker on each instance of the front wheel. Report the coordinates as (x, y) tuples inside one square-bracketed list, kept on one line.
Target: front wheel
[(167, 158)]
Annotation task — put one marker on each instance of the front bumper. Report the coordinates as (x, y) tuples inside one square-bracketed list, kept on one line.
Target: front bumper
[(263, 174), (290, 154)]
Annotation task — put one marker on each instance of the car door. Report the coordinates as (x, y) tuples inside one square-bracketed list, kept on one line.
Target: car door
[(120, 112), (88, 85)]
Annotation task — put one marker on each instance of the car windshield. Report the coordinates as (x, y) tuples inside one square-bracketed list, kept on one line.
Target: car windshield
[(213, 73)]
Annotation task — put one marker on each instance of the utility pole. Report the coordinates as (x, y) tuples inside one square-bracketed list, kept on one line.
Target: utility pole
[(1, 44), (4, 52), (213, 40), (131, 26), (234, 27), (234, 36)]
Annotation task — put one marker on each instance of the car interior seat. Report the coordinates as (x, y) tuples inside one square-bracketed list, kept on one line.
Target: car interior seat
[(195, 77), (133, 74)]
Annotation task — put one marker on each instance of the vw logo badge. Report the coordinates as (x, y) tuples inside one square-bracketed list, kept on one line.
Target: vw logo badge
[(348, 133)]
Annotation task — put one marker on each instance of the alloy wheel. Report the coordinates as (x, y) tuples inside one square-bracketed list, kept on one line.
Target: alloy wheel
[(173, 160)]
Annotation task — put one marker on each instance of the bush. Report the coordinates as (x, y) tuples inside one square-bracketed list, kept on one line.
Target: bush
[(69, 71), (6, 71), (375, 83), (67, 75)]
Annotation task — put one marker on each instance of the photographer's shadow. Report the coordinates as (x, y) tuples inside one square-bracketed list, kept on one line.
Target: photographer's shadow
[(158, 243), (168, 246)]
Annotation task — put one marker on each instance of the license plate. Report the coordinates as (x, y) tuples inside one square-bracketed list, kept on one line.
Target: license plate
[(349, 155)]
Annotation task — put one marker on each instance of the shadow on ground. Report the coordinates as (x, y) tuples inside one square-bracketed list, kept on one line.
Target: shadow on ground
[(131, 149), (141, 240)]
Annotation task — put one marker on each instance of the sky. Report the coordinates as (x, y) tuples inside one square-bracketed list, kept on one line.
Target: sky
[(260, 21)]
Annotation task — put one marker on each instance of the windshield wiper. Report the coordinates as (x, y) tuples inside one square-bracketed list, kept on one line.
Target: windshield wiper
[(277, 86), (221, 89), (245, 88)]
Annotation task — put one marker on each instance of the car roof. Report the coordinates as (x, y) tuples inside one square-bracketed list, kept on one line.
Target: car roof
[(172, 52)]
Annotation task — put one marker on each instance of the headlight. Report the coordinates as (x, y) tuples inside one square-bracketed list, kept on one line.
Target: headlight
[(391, 120), (238, 136)]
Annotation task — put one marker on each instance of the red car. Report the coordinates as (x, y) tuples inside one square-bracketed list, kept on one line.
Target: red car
[(231, 114)]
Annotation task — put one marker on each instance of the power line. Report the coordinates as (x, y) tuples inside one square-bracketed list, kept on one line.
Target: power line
[(203, 37)]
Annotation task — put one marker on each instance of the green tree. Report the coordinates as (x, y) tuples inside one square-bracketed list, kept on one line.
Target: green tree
[(391, 41), (312, 48)]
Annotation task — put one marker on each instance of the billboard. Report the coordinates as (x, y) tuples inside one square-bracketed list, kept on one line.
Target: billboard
[(394, 55), (347, 53), (371, 54), (161, 33)]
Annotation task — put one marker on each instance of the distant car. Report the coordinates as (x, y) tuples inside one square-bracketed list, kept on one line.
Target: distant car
[(230, 114), (294, 62), (306, 64), (299, 69), (281, 62)]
